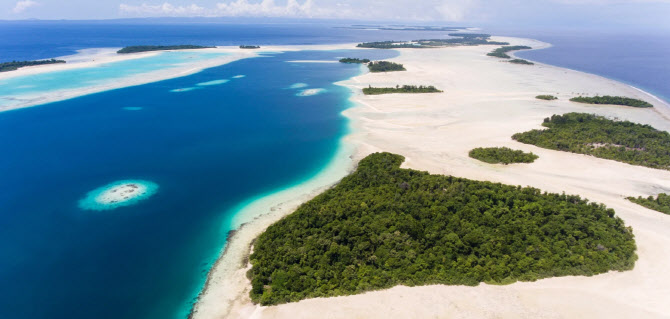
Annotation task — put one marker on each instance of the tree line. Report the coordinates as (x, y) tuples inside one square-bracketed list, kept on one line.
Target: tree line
[(501, 155), (15, 65), (400, 89)]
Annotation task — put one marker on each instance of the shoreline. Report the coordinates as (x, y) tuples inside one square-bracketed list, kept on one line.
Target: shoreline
[(362, 117)]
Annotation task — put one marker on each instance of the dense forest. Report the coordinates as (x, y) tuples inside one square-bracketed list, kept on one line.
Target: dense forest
[(546, 97), (384, 226), (613, 100), (501, 155), (146, 48), (354, 60), (661, 203), (15, 65), (521, 61), (460, 39), (502, 51), (249, 47), (400, 89), (385, 66), (595, 135)]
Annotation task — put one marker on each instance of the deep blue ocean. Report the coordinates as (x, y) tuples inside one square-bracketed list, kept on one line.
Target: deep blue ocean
[(208, 150)]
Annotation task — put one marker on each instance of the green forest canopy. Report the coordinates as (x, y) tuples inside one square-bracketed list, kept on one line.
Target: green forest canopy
[(661, 203), (613, 100), (354, 60), (384, 226), (521, 61), (502, 155), (595, 135), (468, 39), (502, 51), (15, 65), (400, 89), (546, 97), (147, 48), (385, 66)]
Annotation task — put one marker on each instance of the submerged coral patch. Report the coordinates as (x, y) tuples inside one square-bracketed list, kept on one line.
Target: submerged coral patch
[(310, 92), (118, 194)]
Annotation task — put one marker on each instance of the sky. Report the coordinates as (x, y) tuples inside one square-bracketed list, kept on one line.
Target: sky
[(622, 13)]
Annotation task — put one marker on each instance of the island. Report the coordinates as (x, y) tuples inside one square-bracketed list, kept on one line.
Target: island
[(118, 194), (383, 226), (400, 89), (401, 28), (385, 66), (249, 47), (660, 204), (601, 137), (612, 100), (501, 155), (149, 48), (458, 39), (502, 51), (546, 97), (354, 60), (15, 65)]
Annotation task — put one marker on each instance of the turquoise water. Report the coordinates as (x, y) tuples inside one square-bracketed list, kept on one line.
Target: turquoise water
[(17, 89), (207, 150)]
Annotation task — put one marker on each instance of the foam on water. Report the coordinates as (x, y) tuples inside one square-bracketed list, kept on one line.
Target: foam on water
[(215, 82), (310, 92), (239, 76), (118, 194)]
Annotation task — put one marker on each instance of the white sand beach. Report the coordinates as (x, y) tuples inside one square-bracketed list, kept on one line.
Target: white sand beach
[(485, 101)]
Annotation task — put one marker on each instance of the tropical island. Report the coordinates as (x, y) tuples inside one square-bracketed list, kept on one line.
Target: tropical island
[(660, 204), (400, 89), (148, 48), (385, 66), (354, 60), (249, 47), (463, 39), (383, 226), (546, 97), (598, 136), (15, 65), (501, 155), (612, 100), (502, 51)]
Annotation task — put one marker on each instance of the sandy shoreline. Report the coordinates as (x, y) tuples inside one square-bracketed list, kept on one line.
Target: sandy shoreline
[(486, 100)]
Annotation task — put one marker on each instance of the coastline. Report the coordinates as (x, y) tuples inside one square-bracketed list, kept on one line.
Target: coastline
[(405, 124)]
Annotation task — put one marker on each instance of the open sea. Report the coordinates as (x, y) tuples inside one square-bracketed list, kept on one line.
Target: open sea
[(207, 141)]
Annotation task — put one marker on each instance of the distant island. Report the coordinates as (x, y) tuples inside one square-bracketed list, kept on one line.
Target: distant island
[(354, 60), (660, 204), (501, 155), (467, 39), (15, 65), (401, 28), (384, 226), (598, 136), (249, 47), (546, 97), (400, 89), (612, 100), (148, 48), (385, 66), (502, 51)]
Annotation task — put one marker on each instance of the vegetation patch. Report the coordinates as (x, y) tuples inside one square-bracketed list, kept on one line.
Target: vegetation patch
[(661, 203), (546, 97), (354, 60), (502, 155), (521, 61), (502, 51), (249, 47), (385, 66), (384, 226), (595, 135), (147, 48), (458, 39), (613, 100), (15, 65), (400, 89)]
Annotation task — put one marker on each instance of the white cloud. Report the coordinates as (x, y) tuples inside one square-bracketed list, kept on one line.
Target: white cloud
[(456, 10), (265, 8), (24, 5)]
